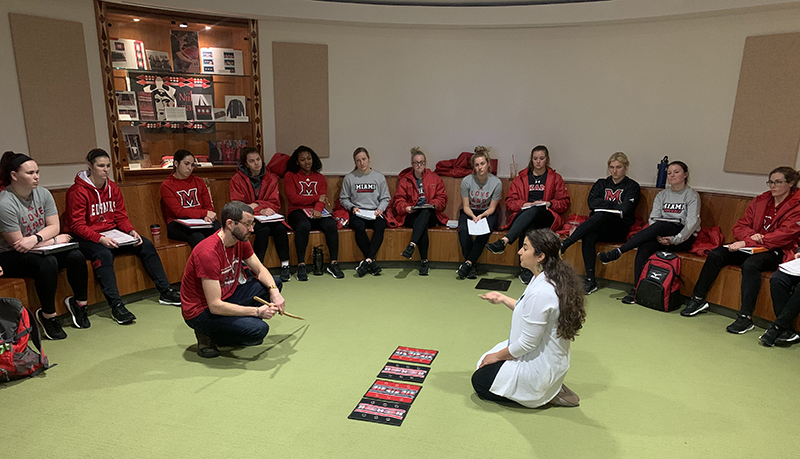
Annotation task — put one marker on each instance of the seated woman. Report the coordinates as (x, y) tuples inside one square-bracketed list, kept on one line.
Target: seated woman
[(536, 199), (612, 205), (529, 367), (365, 189), (94, 206), (306, 191), (786, 305), (186, 196), (674, 223), (29, 220), (480, 194), (418, 203), (769, 225), (257, 187)]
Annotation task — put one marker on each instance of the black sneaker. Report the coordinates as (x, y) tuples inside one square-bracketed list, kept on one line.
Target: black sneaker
[(80, 316), (787, 338), (408, 252), (497, 247), (743, 324), (608, 257), (286, 274), (473, 272), (205, 347), (525, 276), (463, 270), (170, 297), (694, 306), (630, 298), (423, 268), (770, 336), (564, 248), (121, 314), (374, 269), (589, 285), (362, 268), (50, 327), (335, 271), (302, 274)]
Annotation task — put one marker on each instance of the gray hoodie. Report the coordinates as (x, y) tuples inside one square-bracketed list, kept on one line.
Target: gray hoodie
[(684, 206), (366, 191)]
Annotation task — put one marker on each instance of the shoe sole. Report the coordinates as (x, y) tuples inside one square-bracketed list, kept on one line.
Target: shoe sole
[(408, 257), (71, 312), (592, 290), (41, 326), (170, 303), (496, 252), (741, 332), (786, 343), (624, 301), (764, 343), (605, 262), (698, 311), (334, 275)]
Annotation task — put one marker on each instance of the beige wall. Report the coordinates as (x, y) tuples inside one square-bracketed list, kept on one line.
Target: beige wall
[(12, 125)]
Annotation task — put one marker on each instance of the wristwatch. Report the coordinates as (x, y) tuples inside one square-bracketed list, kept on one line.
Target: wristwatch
[(38, 237)]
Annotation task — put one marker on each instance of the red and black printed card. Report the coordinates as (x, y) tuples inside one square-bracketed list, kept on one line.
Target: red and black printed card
[(410, 354), (396, 392), (380, 411), (404, 372)]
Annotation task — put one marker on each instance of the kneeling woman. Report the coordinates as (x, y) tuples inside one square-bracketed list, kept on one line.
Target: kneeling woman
[(770, 224), (612, 205), (674, 223), (366, 189), (257, 187), (186, 196), (529, 368)]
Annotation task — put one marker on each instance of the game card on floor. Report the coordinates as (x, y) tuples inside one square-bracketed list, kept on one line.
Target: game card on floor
[(410, 354), (380, 411), (404, 372), (396, 392)]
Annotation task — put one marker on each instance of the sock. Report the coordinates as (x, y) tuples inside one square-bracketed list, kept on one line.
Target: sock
[(284, 264)]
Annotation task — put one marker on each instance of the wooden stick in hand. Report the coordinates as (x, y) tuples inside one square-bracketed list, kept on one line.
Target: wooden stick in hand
[(284, 313)]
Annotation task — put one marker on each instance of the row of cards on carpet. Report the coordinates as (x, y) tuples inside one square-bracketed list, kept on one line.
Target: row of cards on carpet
[(388, 402)]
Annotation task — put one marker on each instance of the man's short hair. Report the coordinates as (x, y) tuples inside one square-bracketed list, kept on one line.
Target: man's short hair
[(234, 210)]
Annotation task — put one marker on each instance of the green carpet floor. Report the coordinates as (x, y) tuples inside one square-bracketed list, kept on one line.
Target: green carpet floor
[(652, 385)]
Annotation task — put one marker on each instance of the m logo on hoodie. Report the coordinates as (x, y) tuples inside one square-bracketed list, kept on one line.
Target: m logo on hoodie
[(613, 195), (188, 198), (308, 188)]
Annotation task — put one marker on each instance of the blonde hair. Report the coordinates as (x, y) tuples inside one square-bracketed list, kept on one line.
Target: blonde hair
[(619, 157), (481, 151), (416, 151)]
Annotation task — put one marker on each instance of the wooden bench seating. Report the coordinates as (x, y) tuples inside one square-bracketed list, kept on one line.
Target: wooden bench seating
[(144, 209)]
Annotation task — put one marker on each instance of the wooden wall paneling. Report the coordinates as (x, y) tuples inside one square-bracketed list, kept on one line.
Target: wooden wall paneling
[(53, 74)]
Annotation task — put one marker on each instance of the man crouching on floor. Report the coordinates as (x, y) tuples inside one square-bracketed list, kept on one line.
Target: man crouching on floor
[(215, 303)]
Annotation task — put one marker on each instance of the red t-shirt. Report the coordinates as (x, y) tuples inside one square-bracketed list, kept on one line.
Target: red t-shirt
[(210, 259)]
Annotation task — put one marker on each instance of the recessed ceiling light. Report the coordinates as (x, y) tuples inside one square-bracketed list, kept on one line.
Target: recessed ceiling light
[(208, 27), (136, 19), (183, 24)]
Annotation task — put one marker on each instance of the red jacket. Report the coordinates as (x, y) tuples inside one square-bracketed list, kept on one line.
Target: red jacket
[(303, 191), (784, 230), (554, 191), (91, 210), (242, 190), (407, 194), (187, 198)]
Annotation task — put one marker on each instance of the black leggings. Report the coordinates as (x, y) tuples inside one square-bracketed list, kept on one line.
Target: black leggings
[(785, 298), (645, 240), (482, 381), (532, 217), (102, 260), (420, 221), (602, 226), (44, 271), (472, 249), (261, 242), (369, 247), (752, 267), (193, 236), (302, 225)]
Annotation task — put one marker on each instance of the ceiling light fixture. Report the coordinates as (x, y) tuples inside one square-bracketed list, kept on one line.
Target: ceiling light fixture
[(136, 19), (183, 24), (208, 27)]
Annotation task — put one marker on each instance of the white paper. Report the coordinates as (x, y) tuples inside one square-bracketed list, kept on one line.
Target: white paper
[(119, 237), (528, 206), (452, 224), (222, 61), (52, 248), (276, 217), (610, 211), (669, 220), (194, 222), (175, 113), (478, 229), (791, 268), (366, 214)]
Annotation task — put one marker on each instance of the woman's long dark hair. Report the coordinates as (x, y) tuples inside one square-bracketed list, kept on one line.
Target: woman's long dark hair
[(568, 286), (293, 165)]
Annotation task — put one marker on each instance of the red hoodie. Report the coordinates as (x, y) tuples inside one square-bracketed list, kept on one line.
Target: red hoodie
[(187, 198), (91, 210), (784, 229), (303, 191), (407, 194), (242, 190), (554, 191)]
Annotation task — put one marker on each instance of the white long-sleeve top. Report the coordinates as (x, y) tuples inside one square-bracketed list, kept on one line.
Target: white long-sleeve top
[(541, 358)]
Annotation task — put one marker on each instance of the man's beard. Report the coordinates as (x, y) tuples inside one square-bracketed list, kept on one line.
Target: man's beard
[(241, 235)]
